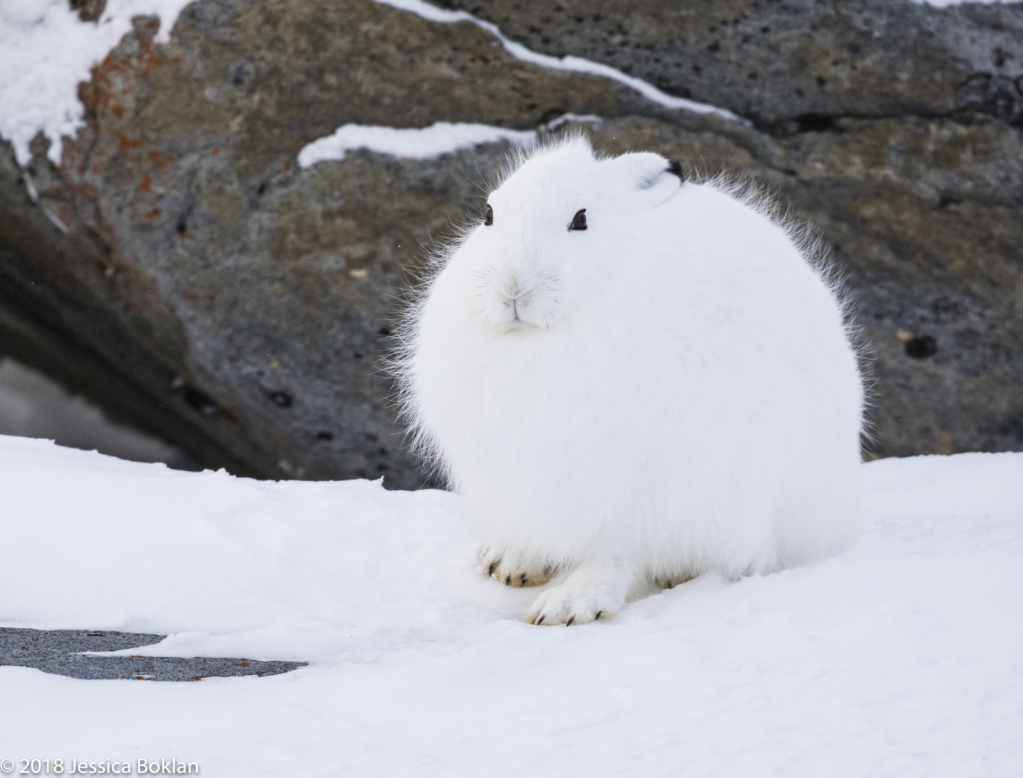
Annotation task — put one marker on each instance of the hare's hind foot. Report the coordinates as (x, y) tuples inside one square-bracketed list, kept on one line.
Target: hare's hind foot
[(512, 568)]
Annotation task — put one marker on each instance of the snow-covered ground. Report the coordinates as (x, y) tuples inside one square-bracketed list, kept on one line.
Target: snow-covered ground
[(903, 657)]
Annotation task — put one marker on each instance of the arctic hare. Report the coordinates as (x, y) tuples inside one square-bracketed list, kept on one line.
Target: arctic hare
[(629, 377)]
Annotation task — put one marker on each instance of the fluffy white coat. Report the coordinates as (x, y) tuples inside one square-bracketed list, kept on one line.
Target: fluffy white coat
[(670, 391)]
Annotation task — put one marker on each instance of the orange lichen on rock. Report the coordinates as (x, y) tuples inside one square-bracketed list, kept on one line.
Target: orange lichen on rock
[(161, 162), (145, 185), (86, 191), (127, 143), (117, 111), (153, 213)]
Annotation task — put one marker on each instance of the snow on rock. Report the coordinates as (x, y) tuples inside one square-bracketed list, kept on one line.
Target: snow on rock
[(570, 63), (45, 50), (420, 143), (439, 138), (899, 658)]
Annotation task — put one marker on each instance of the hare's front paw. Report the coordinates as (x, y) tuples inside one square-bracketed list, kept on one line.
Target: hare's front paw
[(593, 591), (512, 568)]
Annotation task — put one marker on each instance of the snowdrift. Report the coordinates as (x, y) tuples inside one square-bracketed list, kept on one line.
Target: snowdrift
[(901, 657)]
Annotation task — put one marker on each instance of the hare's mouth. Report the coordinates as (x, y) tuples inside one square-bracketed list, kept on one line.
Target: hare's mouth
[(515, 319), (521, 311)]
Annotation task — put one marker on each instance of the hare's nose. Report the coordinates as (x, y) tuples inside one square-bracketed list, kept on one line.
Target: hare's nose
[(515, 289), (517, 293)]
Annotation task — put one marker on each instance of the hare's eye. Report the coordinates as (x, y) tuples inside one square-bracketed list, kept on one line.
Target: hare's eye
[(489, 219), (578, 221)]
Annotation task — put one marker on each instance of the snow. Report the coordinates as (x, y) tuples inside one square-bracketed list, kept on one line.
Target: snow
[(899, 658), (439, 138), (420, 143), (45, 50), (570, 63)]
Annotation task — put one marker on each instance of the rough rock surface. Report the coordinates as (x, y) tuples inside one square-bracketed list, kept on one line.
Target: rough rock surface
[(791, 64), (180, 266)]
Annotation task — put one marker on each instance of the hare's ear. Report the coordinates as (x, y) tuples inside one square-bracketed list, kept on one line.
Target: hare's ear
[(639, 182)]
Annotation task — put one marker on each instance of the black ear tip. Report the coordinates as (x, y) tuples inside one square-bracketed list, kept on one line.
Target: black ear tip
[(675, 168)]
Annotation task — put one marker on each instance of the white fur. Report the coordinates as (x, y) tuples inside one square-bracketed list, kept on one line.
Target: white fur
[(670, 392)]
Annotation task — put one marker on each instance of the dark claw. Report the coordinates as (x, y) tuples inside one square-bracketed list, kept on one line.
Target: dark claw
[(493, 567), (507, 581), (569, 622), (539, 621), (523, 579), (599, 614)]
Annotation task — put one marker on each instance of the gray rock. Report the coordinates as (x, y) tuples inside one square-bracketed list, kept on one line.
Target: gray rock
[(795, 64), (60, 652), (180, 269)]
